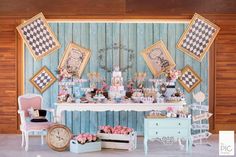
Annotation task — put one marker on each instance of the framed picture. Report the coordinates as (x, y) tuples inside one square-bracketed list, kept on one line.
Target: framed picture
[(43, 79), (189, 79), (157, 58), (198, 37), (75, 59), (38, 36)]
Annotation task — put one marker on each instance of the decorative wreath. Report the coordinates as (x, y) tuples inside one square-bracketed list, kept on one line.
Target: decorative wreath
[(115, 46)]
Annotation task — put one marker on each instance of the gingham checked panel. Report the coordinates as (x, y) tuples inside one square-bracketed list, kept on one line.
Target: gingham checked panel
[(38, 37), (189, 78), (42, 79), (198, 37)]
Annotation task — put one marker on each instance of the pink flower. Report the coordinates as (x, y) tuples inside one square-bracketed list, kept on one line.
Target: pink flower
[(170, 109), (112, 130), (119, 126), (90, 138), (82, 140), (115, 130), (129, 130), (123, 131), (106, 130), (85, 137), (94, 137), (104, 86)]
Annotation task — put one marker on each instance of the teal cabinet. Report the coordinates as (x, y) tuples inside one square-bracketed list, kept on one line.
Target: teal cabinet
[(169, 129)]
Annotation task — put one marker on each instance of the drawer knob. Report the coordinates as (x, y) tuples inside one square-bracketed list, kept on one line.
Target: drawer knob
[(156, 132), (178, 132), (179, 123), (156, 124)]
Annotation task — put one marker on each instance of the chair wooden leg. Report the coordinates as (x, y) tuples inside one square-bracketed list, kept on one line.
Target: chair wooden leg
[(26, 141), (22, 139), (42, 137)]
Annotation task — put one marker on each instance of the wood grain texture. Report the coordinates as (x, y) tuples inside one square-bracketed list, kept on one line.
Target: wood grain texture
[(221, 77), (178, 7), (8, 76), (27, 8), (225, 84)]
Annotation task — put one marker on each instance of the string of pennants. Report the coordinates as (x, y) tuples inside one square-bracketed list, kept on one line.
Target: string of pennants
[(195, 42)]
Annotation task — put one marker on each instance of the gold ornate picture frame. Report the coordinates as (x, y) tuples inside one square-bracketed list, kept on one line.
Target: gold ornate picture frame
[(43, 79), (198, 37), (189, 79), (38, 36), (75, 59), (158, 58)]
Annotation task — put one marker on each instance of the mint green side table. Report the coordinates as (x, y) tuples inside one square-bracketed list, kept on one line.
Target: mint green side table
[(167, 129)]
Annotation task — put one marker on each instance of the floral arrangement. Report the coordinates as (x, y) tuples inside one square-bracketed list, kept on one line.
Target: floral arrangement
[(94, 77), (63, 74), (139, 77), (85, 138), (173, 74), (105, 86), (130, 86), (115, 130)]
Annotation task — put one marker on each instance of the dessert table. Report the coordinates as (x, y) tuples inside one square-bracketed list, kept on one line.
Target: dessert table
[(112, 106)]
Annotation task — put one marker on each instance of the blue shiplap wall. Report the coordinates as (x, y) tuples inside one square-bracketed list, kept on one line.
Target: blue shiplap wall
[(99, 35)]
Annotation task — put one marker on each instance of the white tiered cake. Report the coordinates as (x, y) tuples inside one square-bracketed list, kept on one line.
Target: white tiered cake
[(116, 89)]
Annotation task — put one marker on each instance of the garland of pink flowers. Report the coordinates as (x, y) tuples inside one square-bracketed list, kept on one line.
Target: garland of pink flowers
[(115, 130)]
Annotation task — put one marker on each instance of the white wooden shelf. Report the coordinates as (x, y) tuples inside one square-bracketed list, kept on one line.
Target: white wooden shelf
[(111, 106)]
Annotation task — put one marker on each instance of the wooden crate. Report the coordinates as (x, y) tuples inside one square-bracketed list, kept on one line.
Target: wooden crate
[(75, 147), (118, 141)]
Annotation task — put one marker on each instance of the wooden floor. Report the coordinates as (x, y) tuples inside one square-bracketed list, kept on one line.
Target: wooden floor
[(10, 147)]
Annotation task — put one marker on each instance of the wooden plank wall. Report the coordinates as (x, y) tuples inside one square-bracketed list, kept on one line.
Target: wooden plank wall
[(100, 35), (8, 76), (225, 75)]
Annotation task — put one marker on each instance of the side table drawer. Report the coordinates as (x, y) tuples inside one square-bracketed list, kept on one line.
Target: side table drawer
[(173, 123), (153, 133)]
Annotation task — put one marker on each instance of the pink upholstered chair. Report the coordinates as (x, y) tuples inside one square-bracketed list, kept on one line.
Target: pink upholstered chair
[(25, 103)]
